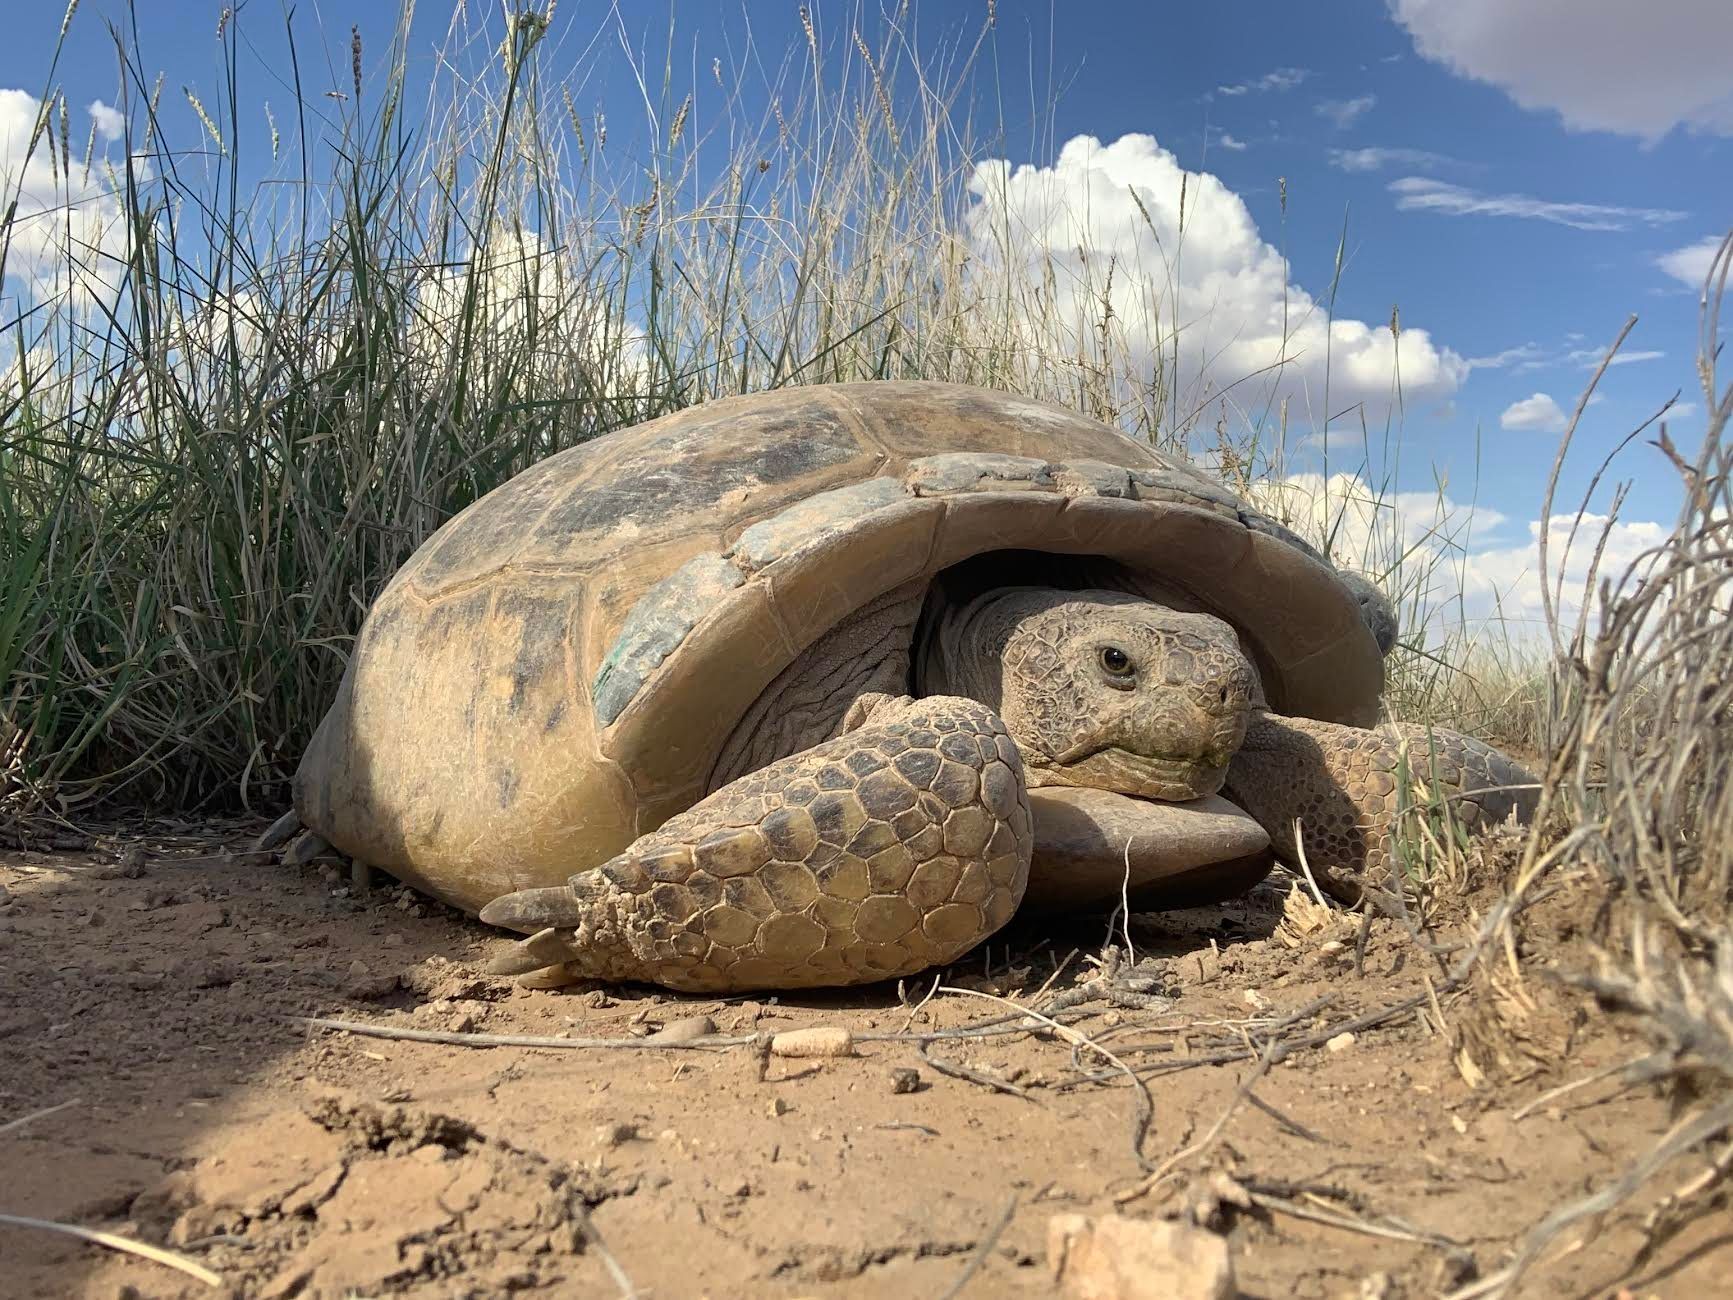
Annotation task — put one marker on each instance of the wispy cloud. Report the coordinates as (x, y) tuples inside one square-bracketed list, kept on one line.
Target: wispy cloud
[(1525, 356), (1538, 413), (1280, 79), (1374, 159), (1423, 194), (1231, 144), (1343, 113), (1589, 358)]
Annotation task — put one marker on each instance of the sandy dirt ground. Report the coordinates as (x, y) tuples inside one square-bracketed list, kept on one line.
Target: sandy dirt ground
[(152, 986)]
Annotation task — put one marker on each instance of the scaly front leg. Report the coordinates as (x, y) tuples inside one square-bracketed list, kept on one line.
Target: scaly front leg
[(1344, 784), (894, 847)]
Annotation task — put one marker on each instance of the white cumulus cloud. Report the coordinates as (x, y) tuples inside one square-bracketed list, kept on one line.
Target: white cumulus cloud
[(1423, 194), (1451, 565), (110, 122), (1539, 413), (1229, 143), (1690, 265), (1102, 225), (67, 231), (1609, 65)]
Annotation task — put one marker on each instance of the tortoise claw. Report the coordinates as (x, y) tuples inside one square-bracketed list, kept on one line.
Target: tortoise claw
[(309, 848), (542, 949), (279, 833), (530, 910)]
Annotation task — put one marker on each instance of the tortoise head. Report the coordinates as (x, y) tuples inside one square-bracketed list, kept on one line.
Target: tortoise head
[(1104, 689)]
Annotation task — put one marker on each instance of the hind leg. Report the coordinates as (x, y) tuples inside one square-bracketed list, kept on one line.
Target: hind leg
[(1344, 786), (894, 847)]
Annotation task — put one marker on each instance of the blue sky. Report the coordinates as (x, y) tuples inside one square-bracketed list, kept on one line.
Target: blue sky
[(1517, 179)]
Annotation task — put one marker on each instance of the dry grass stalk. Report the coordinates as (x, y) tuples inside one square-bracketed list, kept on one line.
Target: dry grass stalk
[(1641, 768)]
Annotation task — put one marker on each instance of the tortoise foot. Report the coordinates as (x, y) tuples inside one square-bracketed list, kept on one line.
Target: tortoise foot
[(894, 847), (1347, 788)]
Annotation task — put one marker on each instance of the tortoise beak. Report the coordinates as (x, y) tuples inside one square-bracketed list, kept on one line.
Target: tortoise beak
[(1140, 776)]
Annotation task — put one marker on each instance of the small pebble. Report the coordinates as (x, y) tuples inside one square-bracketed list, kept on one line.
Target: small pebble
[(1340, 1043), (905, 1080), (5, 895), (615, 1134), (777, 1107)]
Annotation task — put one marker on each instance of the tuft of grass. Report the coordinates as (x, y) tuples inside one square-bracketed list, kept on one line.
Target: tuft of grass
[(1636, 724)]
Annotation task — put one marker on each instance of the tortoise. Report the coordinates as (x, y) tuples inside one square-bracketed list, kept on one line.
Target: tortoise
[(818, 686)]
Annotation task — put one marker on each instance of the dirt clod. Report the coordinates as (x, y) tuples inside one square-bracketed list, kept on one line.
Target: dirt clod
[(1118, 1258)]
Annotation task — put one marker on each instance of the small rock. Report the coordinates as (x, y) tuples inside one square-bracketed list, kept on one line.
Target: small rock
[(777, 1107), (1116, 1258), (5, 895), (905, 1080), (1340, 1043), (392, 941), (1376, 1286), (685, 1030), (202, 1221), (615, 1134), (131, 864), (370, 988)]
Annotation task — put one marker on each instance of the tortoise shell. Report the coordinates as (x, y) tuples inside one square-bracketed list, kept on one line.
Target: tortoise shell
[(556, 670)]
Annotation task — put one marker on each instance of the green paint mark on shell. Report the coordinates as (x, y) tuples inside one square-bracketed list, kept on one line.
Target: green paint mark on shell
[(657, 624)]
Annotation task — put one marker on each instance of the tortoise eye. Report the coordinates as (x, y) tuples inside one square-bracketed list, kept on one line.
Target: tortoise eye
[(1115, 661)]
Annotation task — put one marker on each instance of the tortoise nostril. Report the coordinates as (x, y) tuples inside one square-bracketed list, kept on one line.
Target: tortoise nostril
[(1224, 695)]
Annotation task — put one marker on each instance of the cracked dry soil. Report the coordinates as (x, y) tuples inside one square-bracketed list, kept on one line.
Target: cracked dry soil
[(158, 991)]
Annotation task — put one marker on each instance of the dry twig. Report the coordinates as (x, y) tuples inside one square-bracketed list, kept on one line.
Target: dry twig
[(126, 1245)]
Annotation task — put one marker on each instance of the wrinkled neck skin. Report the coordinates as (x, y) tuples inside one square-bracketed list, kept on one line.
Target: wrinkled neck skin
[(1044, 659)]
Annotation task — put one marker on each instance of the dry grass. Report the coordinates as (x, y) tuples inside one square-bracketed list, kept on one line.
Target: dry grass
[(1637, 808), (244, 389)]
